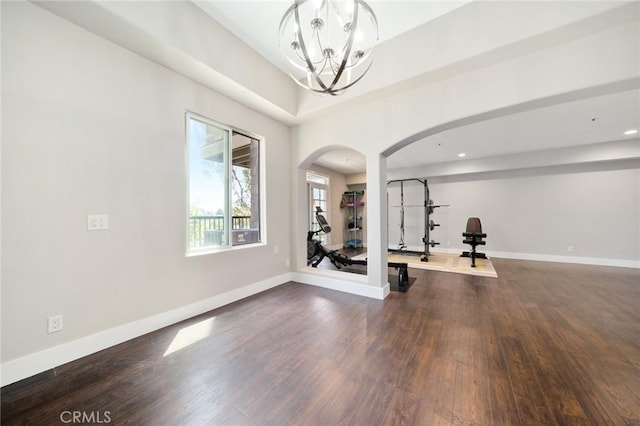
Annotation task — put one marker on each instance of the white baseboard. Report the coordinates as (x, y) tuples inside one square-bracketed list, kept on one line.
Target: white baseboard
[(340, 281), (599, 261), (29, 365)]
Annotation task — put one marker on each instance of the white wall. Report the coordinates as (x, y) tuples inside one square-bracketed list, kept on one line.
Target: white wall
[(89, 127), (182, 37), (554, 72), (476, 35), (540, 212)]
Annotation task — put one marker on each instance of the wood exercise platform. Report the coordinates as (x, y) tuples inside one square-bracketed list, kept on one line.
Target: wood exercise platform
[(443, 262)]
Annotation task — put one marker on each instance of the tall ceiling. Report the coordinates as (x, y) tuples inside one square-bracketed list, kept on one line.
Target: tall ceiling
[(256, 21), (179, 35), (588, 121)]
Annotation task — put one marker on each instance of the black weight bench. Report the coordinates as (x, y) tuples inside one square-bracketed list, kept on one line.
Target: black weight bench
[(474, 237)]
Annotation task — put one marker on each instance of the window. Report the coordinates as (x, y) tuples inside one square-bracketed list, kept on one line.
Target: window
[(223, 167), (318, 191), (316, 178)]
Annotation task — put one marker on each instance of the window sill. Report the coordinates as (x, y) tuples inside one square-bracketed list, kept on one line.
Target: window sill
[(226, 249)]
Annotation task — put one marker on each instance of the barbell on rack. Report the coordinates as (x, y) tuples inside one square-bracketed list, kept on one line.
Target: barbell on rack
[(432, 243), (432, 225), (420, 205), (434, 206)]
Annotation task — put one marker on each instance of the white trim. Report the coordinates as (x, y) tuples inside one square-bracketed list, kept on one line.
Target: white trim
[(340, 281), (327, 182), (190, 115), (311, 207), (29, 365), (227, 152), (598, 261), (211, 250)]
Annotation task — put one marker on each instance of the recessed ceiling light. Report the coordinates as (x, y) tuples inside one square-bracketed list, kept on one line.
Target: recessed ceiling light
[(462, 154), (631, 132)]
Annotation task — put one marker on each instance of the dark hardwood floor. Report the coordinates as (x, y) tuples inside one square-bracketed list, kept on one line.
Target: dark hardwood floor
[(544, 344)]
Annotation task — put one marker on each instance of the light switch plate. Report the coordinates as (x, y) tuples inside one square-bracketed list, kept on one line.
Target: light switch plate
[(97, 222)]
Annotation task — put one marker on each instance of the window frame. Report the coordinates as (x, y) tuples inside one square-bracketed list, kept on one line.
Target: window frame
[(313, 182), (198, 251)]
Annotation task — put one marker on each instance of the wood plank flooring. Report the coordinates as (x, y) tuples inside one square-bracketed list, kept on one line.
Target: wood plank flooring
[(544, 344)]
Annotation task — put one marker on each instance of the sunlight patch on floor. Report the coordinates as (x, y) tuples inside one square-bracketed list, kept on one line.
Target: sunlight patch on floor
[(190, 335)]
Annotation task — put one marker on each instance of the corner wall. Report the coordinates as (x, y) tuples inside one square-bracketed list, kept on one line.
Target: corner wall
[(89, 127), (538, 213), (569, 69)]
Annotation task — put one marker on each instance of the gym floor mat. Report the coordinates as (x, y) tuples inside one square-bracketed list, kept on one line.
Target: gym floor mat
[(444, 262)]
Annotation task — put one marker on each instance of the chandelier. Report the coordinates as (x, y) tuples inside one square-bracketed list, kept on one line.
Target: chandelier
[(329, 43)]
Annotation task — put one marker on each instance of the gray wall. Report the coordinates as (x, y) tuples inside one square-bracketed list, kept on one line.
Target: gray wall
[(89, 127), (537, 212)]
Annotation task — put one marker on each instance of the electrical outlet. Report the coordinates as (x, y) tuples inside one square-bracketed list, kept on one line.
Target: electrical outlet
[(97, 222), (570, 249), (54, 324)]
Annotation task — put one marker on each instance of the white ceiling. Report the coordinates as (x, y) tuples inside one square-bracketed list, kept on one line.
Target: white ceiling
[(559, 126), (256, 21)]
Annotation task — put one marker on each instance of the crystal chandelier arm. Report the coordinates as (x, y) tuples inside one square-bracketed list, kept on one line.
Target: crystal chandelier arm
[(303, 48), (374, 20), (320, 48), (320, 67), (338, 91), (283, 22), (302, 58), (345, 57), (332, 65)]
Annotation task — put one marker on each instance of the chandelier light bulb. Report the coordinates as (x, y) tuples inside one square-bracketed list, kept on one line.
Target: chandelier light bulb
[(328, 43)]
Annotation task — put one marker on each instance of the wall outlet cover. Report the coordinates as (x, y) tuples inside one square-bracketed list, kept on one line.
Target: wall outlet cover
[(54, 323)]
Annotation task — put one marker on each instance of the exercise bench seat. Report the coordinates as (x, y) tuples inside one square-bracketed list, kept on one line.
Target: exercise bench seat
[(474, 237)]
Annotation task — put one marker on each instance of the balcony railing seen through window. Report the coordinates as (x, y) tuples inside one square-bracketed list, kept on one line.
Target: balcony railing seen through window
[(202, 229)]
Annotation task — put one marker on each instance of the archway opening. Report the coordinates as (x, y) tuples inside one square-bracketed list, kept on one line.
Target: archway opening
[(333, 192)]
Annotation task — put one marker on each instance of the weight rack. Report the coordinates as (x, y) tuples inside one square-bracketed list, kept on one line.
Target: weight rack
[(429, 225)]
